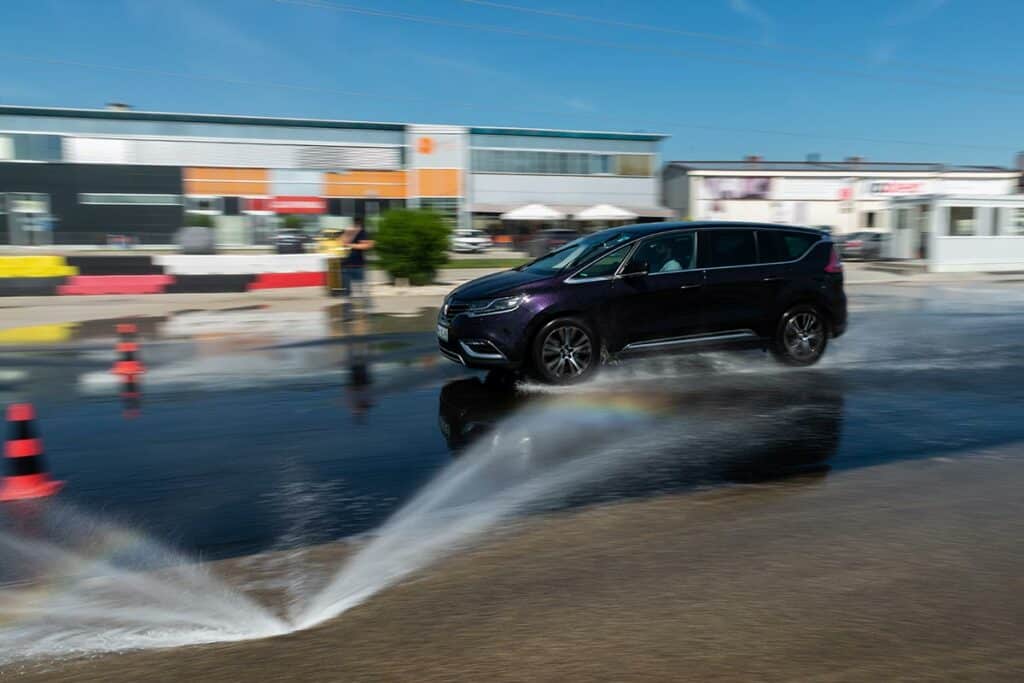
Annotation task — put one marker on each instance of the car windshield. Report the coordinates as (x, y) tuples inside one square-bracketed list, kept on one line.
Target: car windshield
[(576, 253)]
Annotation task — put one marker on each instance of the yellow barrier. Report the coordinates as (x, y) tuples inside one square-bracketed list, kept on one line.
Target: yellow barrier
[(38, 334), (35, 266)]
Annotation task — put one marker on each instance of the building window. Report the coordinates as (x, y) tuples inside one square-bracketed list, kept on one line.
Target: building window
[(1016, 226), (210, 206), (104, 198), (963, 221), (27, 147), (448, 207), (552, 163), (869, 219), (634, 164)]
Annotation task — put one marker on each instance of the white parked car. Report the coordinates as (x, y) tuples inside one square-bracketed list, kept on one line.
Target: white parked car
[(470, 241)]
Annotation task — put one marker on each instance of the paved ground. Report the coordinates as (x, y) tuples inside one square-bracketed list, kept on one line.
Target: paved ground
[(901, 572), (737, 521)]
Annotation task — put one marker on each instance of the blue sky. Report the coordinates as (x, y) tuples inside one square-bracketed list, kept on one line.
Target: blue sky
[(901, 80)]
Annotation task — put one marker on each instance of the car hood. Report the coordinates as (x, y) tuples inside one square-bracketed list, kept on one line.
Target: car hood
[(496, 284)]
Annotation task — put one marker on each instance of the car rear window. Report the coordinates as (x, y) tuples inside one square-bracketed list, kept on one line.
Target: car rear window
[(777, 245)]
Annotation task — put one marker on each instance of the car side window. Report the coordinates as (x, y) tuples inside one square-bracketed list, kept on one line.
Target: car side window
[(667, 253), (770, 248), (731, 248), (604, 266), (774, 246), (796, 244)]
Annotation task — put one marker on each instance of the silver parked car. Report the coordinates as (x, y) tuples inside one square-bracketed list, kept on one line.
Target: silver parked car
[(861, 245), (469, 240)]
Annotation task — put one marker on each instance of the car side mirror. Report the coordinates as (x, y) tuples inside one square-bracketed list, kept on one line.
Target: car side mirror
[(635, 269)]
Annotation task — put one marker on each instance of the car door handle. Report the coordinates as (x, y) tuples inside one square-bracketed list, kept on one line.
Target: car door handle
[(695, 285), (772, 278)]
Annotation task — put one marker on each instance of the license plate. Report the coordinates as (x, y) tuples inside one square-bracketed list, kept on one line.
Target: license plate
[(442, 333)]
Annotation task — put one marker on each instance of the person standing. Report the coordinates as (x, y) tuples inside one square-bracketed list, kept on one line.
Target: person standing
[(353, 266)]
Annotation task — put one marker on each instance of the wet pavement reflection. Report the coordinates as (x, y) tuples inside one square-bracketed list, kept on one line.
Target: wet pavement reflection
[(241, 435)]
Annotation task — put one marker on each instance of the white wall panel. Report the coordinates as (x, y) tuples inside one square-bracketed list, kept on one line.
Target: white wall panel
[(237, 264), (296, 182), (976, 186), (97, 151), (976, 253), (796, 189), (512, 189), (231, 154)]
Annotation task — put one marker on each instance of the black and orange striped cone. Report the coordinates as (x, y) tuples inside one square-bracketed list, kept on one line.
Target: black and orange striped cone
[(26, 472), (131, 397), (128, 363)]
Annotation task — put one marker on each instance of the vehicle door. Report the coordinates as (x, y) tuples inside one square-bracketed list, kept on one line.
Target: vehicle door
[(737, 287), (657, 294)]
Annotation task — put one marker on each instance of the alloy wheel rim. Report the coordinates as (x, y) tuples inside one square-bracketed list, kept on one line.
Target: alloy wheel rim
[(567, 351), (804, 335)]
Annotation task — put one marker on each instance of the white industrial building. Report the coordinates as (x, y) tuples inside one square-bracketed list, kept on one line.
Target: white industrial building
[(843, 196), (958, 232)]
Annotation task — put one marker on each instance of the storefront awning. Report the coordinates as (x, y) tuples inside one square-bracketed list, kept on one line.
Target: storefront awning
[(604, 212), (533, 212), (573, 209)]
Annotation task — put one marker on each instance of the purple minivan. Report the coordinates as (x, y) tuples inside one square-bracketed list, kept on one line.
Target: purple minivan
[(651, 288)]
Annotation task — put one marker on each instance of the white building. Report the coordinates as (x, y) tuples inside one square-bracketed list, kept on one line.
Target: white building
[(843, 196), (959, 233)]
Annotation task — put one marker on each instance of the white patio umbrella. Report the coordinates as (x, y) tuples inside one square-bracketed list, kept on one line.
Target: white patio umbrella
[(533, 212), (605, 212)]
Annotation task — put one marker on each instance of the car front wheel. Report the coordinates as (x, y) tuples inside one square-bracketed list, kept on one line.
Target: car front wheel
[(801, 337), (565, 351)]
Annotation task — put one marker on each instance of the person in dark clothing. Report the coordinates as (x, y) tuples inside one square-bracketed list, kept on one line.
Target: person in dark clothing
[(353, 266)]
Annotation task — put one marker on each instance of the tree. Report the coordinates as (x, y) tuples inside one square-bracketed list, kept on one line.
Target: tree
[(412, 243)]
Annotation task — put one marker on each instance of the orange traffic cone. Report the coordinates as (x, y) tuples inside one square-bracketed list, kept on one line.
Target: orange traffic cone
[(27, 476), (131, 396), (127, 331), (128, 364)]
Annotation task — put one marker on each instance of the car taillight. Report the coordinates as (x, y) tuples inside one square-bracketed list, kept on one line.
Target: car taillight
[(855, 243), (835, 264)]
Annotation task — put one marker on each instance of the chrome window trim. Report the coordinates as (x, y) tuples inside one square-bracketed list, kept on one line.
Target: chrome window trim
[(572, 279), (757, 265), (696, 252), (630, 246)]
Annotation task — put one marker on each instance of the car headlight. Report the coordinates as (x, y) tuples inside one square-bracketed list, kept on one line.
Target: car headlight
[(505, 304)]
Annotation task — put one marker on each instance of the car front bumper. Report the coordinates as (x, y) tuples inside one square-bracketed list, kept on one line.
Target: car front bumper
[(488, 342)]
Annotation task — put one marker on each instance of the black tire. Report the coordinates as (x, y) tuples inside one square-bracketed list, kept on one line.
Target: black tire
[(565, 351), (801, 336)]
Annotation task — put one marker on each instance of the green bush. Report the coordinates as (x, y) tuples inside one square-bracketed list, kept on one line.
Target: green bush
[(412, 243), (294, 223), (199, 220)]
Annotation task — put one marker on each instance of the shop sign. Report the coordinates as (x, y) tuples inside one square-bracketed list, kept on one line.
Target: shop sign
[(311, 205), (889, 188)]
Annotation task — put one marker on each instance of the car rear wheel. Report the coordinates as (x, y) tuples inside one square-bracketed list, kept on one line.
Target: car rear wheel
[(565, 351), (801, 336)]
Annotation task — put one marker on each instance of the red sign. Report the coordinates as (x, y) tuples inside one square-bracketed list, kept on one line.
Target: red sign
[(315, 205)]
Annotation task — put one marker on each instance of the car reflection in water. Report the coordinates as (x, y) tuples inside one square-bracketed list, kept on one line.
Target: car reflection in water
[(729, 429)]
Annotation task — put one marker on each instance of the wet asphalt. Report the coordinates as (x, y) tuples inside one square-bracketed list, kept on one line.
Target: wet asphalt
[(258, 431), (858, 520)]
